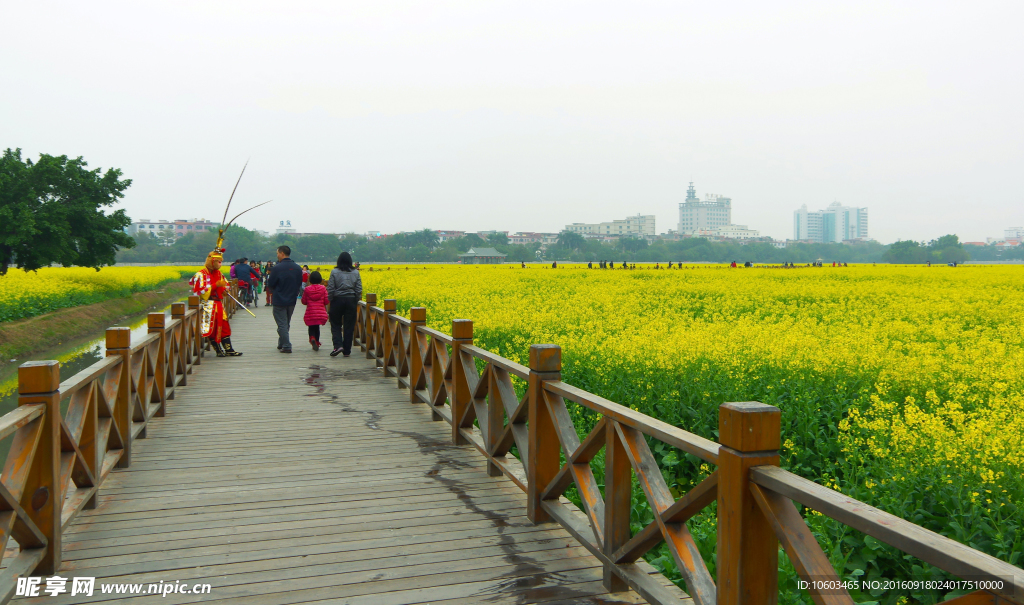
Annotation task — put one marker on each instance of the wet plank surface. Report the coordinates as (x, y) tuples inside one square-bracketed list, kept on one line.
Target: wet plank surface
[(304, 478)]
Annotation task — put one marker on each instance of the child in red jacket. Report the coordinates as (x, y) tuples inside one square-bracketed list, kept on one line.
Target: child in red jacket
[(315, 299)]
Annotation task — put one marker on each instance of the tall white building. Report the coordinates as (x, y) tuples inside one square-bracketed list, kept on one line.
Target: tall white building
[(835, 224), (696, 215), (640, 225)]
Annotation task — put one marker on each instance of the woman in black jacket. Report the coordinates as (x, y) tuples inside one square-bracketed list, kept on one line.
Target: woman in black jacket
[(344, 290)]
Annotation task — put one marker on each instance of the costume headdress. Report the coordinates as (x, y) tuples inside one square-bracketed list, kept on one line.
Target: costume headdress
[(218, 252)]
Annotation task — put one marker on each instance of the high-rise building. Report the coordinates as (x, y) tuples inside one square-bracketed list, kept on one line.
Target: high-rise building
[(835, 224), (696, 215), (640, 225)]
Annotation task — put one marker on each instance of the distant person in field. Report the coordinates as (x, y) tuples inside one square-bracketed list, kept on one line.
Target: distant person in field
[(284, 283), (344, 290), (315, 299)]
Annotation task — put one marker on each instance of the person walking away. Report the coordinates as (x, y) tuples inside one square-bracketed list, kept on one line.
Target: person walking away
[(284, 283), (257, 282), (315, 299), (244, 275), (305, 279), (344, 290)]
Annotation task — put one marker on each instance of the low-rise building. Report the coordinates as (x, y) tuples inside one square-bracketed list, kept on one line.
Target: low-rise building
[(445, 235), (530, 237), (729, 232), (482, 256), (177, 227), (641, 225)]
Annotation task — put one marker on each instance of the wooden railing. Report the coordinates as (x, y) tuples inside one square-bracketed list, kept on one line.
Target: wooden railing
[(57, 463), (755, 497)]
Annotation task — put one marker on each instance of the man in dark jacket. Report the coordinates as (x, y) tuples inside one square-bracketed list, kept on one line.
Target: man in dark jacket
[(283, 284)]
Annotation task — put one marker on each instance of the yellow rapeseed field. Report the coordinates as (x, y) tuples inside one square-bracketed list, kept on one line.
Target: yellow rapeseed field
[(900, 385), (28, 294)]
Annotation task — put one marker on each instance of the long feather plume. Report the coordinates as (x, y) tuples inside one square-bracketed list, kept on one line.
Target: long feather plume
[(233, 194), (244, 211)]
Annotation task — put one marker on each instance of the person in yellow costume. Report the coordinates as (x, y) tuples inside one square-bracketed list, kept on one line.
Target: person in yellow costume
[(211, 286)]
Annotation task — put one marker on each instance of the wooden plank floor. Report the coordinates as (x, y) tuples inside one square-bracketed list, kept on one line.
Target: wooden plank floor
[(304, 478)]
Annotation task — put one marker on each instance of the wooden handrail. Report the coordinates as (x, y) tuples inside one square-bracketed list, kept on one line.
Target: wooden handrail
[(85, 377), (440, 336), (935, 549), (516, 369), (755, 497), (146, 341), (705, 449), (109, 405)]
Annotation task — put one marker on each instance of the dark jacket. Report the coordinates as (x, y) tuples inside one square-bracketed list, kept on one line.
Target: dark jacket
[(284, 283), (244, 273)]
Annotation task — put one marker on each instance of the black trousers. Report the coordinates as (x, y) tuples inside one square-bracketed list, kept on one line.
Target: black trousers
[(314, 331), (343, 322)]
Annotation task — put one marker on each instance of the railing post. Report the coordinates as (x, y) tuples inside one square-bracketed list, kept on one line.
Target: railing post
[(387, 347), (543, 450), (194, 302), (460, 397), (157, 322), (367, 335), (180, 348), (618, 492), (119, 343), (417, 318), (748, 551), (39, 382)]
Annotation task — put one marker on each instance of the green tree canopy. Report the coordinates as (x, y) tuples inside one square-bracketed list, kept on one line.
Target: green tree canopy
[(51, 211), (497, 239), (571, 240)]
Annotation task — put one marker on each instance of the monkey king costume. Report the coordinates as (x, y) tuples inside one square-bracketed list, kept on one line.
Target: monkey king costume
[(211, 286)]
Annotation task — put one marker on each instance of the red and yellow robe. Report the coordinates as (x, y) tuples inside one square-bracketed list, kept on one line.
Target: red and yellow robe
[(210, 286)]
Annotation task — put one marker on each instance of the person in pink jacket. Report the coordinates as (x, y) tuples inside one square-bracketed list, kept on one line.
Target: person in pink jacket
[(315, 299)]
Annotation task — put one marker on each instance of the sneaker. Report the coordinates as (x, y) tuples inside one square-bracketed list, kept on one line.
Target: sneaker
[(285, 350), (335, 352), (314, 343), (345, 354)]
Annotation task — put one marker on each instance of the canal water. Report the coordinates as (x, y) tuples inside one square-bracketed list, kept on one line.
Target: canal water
[(73, 359)]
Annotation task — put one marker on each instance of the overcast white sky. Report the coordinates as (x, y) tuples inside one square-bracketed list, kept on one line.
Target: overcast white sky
[(526, 116)]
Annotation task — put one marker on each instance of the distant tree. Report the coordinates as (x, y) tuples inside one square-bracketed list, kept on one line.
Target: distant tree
[(497, 239), (471, 240), (570, 240), (351, 241), (905, 251), (948, 249), (51, 211), (321, 247), (425, 237), (632, 244)]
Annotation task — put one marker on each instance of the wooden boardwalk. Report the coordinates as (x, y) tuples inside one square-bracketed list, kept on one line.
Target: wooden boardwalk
[(304, 478)]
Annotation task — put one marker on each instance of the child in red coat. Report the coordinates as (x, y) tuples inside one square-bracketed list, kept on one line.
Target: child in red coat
[(315, 299)]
